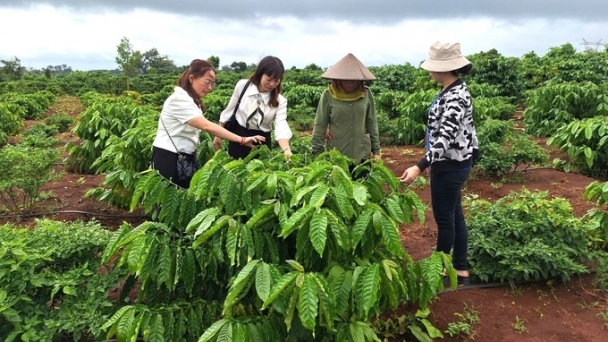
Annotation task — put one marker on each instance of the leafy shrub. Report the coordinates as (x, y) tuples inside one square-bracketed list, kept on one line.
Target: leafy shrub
[(504, 150), (598, 192), (34, 105), (23, 171), (283, 251), (492, 108), (303, 94), (411, 124), (586, 142), (386, 129), (11, 122), (302, 117), (50, 284), (526, 236), (60, 120), (555, 104), (105, 117), (42, 130)]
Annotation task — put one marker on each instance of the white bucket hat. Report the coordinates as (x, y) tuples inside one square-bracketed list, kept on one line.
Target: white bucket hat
[(349, 68), (444, 57)]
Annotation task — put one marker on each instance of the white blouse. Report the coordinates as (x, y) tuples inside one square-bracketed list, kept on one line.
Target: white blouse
[(252, 99), (178, 109)]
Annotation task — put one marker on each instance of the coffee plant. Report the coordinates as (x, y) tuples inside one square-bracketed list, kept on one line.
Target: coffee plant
[(103, 118), (52, 291), (586, 142), (555, 104), (23, 171), (270, 251), (11, 121), (526, 236)]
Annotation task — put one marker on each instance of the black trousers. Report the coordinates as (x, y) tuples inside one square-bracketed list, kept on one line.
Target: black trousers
[(446, 200), (166, 163), (238, 151)]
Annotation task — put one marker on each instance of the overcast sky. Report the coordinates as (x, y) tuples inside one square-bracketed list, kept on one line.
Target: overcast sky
[(379, 32)]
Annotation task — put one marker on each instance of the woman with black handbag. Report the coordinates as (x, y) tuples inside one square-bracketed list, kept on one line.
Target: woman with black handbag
[(255, 105), (181, 121)]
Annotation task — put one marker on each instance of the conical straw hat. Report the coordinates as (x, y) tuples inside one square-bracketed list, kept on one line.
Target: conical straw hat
[(349, 68)]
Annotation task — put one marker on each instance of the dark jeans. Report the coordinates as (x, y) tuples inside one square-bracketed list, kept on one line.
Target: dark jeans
[(238, 151), (446, 199)]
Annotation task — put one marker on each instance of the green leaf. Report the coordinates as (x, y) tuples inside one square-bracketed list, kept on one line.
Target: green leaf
[(360, 226), (279, 287), (300, 217), (116, 316), (157, 329), (69, 290), (219, 224), (420, 335), (212, 330), (11, 315), (202, 221), (430, 328), (360, 194), (263, 281), (240, 285), (295, 265), (318, 232), (308, 303), (318, 196), (225, 335)]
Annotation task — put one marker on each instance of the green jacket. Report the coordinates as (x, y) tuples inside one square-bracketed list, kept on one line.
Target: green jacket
[(352, 125)]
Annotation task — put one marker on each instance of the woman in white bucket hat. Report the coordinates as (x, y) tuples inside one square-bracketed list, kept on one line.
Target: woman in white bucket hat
[(452, 149), (346, 115)]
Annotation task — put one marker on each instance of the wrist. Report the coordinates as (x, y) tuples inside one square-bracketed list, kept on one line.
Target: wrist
[(242, 141), (286, 149)]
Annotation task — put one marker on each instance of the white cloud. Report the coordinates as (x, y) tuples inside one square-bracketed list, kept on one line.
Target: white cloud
[(42, 35)]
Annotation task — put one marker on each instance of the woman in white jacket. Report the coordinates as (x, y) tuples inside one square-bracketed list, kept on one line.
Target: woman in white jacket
[(261, 104), (182, 119)]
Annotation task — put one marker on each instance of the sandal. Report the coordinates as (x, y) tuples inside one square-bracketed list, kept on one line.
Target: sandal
[(461, 281)]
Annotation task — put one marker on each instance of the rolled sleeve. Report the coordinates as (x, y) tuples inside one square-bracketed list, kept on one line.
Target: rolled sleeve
[(281, 127)]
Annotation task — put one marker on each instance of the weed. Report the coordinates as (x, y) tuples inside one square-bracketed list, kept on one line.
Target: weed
[(520, 325), (467, 320)]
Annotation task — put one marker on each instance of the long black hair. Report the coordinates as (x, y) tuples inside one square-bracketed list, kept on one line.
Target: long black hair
[(272, 67)]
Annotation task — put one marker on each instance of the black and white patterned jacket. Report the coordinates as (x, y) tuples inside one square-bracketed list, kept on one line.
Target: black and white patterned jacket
[(452, 135)]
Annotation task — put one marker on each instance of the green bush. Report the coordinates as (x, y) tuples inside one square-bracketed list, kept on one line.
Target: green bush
[(504, 150), (11, 121), (50, 284), (283, 251), (586, 142), (301, 116), (555, 104), (60, 120), (526, 236), (23, 171)]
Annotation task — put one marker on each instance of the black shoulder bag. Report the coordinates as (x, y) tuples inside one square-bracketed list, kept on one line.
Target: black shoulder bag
[(232, 122), (187, 164)]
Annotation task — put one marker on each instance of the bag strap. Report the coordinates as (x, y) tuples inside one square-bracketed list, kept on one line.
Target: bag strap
[(179, 155), (239, 101)]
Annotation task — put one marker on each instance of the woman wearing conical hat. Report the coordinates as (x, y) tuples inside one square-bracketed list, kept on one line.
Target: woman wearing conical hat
[(346, 114)]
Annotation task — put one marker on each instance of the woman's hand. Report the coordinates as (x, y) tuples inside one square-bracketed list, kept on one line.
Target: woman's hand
[(410, 174), (217, 143), (287, 154), (251, 141)]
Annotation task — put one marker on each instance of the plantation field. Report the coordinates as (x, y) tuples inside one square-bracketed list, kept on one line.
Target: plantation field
[(570, 311)]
